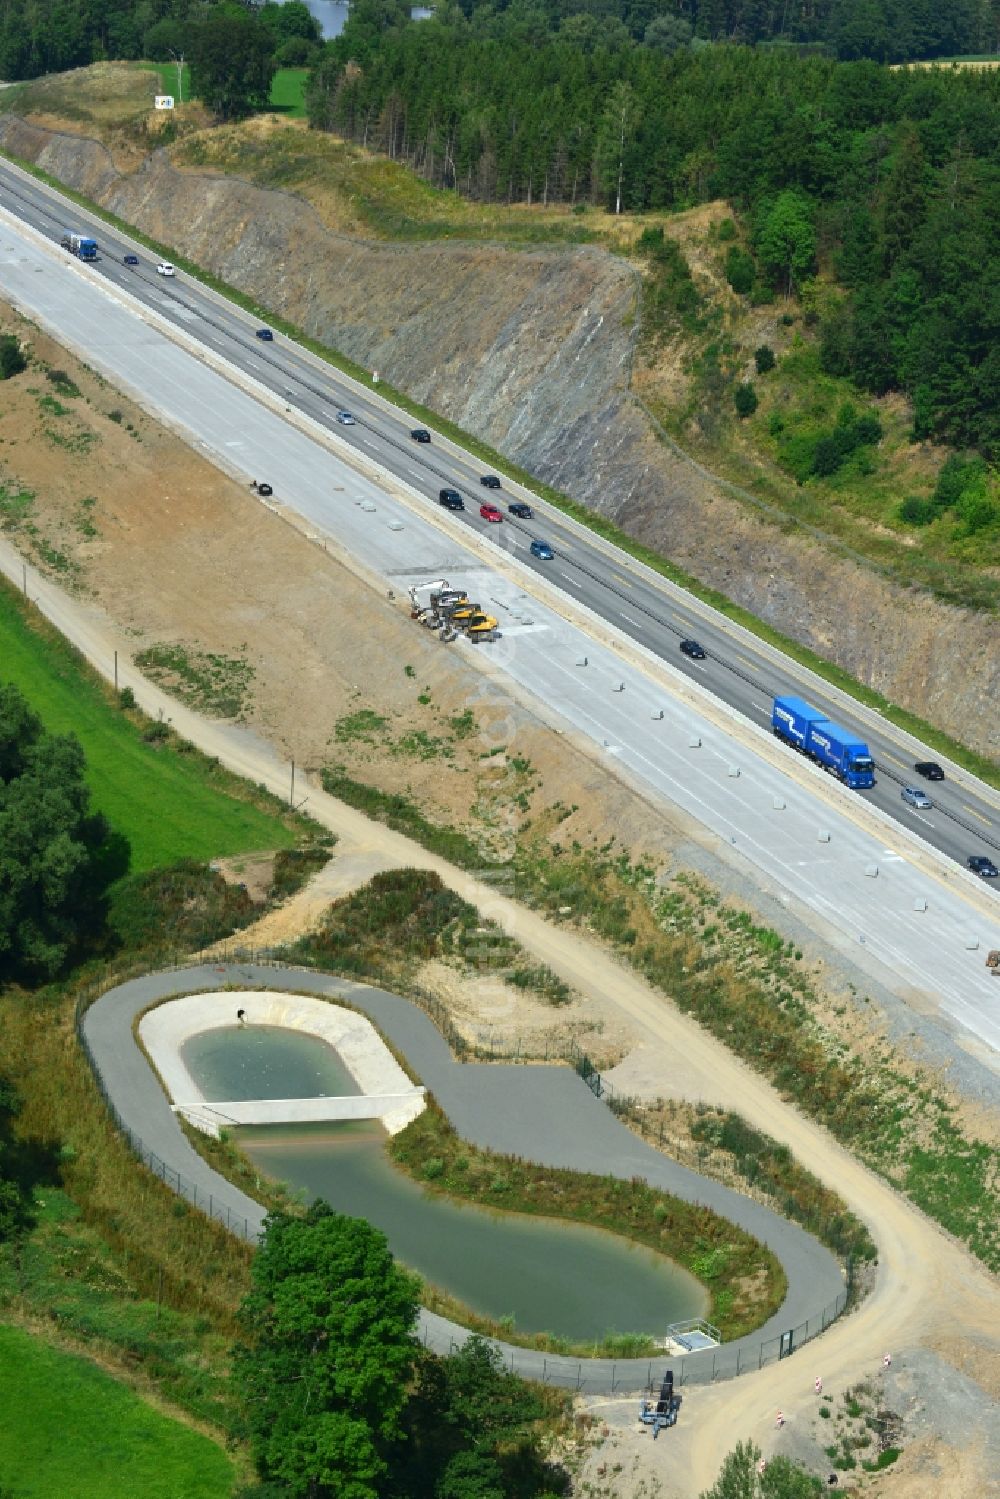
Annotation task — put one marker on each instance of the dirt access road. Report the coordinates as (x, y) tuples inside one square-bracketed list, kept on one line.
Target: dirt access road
[(928, 1289)]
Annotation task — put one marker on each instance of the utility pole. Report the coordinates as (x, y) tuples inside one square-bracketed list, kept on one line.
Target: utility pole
[(180, 74)]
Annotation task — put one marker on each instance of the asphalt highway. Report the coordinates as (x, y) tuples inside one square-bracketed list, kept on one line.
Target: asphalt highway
[(738, 668)]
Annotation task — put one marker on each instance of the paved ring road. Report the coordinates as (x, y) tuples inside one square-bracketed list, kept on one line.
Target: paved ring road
[(542, 1113)]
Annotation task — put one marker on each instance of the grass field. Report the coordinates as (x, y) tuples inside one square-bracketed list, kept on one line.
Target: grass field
[(287, 86), (69, 1431), (288, 91), (166, 803), (167, 74)]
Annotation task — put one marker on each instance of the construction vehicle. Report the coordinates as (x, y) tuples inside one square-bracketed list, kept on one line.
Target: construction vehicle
[(481, 627), (663, 1410), (993, 962), (438, 606)]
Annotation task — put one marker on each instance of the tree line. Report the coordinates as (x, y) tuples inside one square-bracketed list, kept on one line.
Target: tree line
[(891, 179), (51, 36)]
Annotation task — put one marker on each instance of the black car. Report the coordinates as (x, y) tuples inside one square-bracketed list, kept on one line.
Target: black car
[(693, 649), (985, 868), (130, 260), (521, 510), (489, 481), (265, 335), (451, 499), (930, 770), (420, 434)]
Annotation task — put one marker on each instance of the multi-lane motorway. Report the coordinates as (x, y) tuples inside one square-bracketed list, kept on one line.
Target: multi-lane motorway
[(738, 668)]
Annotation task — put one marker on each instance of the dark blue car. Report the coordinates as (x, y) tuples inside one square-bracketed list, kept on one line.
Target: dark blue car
[(266, 335), (130, 260), (542, 550)]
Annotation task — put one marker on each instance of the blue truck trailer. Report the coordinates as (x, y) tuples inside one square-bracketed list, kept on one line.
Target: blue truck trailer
[(80, 244), (809, 730)]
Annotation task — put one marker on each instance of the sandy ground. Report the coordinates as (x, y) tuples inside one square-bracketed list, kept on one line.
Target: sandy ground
[(171, 551)]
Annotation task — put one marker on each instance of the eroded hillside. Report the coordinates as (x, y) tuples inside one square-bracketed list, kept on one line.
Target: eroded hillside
[(533, 350)]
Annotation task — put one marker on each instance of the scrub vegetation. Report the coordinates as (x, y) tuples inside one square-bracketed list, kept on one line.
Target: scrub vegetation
[(751, 989), (218, 686), (745, 1281), (721, 1144), (402, 918)]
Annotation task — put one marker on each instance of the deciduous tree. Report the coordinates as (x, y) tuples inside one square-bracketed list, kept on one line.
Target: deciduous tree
[(326, 1354)]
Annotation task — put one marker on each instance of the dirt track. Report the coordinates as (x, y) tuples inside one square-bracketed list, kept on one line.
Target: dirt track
[(927, 1287)]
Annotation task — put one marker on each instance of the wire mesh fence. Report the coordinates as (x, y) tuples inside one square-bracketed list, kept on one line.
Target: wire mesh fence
[(594, 1375)]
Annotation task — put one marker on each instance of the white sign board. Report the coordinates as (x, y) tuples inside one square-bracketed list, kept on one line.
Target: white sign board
[(164, 101)]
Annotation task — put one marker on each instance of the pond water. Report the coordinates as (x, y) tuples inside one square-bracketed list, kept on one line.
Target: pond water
[(564, 1278), (331, 15), (240, 1062)]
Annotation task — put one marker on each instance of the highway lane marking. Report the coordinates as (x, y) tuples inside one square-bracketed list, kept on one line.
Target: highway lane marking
[(628, 618), (624, 581), (752, 665), (895, 760), (972, 811), (769, 859), (760, 709), (923, 819)]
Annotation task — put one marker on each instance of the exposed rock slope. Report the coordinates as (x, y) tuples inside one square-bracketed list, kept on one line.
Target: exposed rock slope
[(531, 350)]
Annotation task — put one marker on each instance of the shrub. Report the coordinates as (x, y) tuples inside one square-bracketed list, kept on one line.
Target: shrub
[(62, 382), (764, 359), (740, 271), (868, 428), (12, 360), (727, 230), (126, 698), (917, 510), (745, 401), (957, 475)]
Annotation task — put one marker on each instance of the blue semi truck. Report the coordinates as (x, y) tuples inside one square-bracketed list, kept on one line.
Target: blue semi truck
[(810, 732), (80, 244)]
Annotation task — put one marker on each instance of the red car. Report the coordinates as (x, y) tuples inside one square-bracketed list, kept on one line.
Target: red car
[(490, 512)]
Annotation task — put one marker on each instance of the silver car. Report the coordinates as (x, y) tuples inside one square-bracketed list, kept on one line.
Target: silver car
[(914, 797), (346, 419)]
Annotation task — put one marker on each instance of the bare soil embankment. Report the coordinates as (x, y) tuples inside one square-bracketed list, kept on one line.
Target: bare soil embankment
[(531, 351)]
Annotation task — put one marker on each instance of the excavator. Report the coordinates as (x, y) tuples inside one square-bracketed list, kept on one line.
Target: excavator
[(450, 610)]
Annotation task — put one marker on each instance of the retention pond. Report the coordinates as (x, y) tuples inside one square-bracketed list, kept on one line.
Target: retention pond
[(577, 1282), (236, 1063), (548, 1276)]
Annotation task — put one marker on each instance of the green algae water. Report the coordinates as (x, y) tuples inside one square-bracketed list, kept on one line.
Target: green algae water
[(577, 1282), (239, 1062)]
